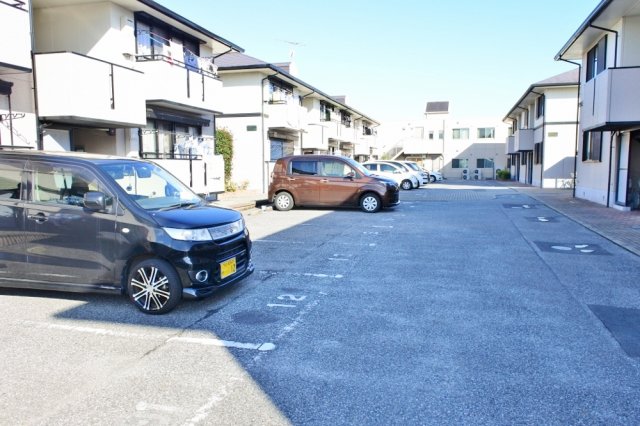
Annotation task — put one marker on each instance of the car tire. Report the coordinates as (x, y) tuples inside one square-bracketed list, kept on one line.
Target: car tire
[(154, 286), (370, 203), (406, 185), (283, 201), (433, 179)]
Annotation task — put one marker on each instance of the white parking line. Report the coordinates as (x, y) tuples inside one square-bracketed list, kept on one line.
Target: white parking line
[(300, 274), (206, 341), (146, 336)]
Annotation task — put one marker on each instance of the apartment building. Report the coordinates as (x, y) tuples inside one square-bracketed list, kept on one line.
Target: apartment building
[(607, 46), (272, 113), (17, 110), (459, 148), (121, 77), (543, 128)]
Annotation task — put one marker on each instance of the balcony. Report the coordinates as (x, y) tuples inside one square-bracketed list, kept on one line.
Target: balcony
[(523, 140), (284, 115), (422, 146), (346, 134), (15, 33), (510, 145), (171, 82), (315, 136), (362, 147), (610, 100), (78, 89)]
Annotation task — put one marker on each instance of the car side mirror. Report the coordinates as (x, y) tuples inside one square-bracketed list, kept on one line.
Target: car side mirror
[(95, 200), (350, 175)]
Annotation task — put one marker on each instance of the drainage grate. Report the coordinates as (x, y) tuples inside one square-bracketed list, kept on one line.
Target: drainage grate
[(571, 248), (624, 325)]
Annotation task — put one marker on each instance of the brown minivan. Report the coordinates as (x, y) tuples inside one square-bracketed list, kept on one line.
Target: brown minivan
[(329, 180)]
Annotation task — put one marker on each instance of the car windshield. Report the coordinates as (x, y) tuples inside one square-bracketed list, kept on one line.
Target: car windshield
[(413, 166), (359, 167), (151, 186)]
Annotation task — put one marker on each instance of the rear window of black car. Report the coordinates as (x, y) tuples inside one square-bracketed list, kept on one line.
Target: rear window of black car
[(304, 167)]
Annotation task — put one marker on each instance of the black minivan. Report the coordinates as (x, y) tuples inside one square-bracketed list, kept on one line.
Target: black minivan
[(82, 222)]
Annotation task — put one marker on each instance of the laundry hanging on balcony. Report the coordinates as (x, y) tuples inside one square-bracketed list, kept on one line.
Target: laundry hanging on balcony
[(191, 61), (175, 51)]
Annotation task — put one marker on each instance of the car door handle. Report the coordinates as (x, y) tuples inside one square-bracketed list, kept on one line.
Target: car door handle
[(40, 217), (324, 180)]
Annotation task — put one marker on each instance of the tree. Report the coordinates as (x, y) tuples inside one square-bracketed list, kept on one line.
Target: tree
[(224, 147)]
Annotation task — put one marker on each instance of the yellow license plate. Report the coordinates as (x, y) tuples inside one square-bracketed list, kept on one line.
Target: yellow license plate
[(228, 267)]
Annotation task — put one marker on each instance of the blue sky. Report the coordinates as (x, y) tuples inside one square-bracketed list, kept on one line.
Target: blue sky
[(390, 57)]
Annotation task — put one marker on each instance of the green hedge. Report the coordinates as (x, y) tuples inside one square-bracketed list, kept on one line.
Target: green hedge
[(224, 147)]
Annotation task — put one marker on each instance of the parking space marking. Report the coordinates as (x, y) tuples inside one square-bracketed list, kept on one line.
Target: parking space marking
[(280, 241), (301, 274), (207, 341), (147, 336), (280, 305)]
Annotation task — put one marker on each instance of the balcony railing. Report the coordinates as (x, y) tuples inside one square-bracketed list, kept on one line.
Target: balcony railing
[(510, 145), (610, 100), (422, 146), (76, 88), (170, 80), (284, 114), (523, 140), (15, 33)]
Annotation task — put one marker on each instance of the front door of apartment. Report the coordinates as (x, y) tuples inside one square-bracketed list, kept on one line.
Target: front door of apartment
[(628, 171), (529, 155)]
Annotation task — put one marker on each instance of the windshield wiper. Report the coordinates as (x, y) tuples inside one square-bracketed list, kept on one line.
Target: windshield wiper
[(180, 205)]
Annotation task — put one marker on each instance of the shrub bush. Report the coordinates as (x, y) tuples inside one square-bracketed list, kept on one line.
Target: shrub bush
[(503, 174), (224, 147)]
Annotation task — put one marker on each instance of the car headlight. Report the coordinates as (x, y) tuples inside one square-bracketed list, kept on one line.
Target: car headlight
[(201, 234), (207, 234), (224, 231)]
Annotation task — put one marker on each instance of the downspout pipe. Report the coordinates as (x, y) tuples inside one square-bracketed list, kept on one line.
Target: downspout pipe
[(222, 54), (613, 134), (575, 158), (615, 52), (39, 127)]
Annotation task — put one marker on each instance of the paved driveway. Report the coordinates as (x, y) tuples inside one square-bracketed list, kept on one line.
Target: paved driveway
[(465, 304)]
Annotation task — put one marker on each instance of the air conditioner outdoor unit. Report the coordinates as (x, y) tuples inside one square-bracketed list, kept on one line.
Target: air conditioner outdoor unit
[(477, 174), (465, 174)]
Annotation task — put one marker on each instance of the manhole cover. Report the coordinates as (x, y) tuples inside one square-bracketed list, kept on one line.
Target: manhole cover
[(571, 248), (624, 325), (519, 206), (542, 219)]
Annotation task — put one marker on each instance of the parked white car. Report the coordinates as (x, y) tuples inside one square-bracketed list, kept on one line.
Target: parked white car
[(405, 179), (435, 176), (423, 175)]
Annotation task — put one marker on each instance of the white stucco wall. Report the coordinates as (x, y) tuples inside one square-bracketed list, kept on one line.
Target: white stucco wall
[(248, 151), (100, 30), (241, 93), (592, 177)]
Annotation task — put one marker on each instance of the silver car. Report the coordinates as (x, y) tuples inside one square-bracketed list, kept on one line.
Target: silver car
[(424, 175), (403, 177)]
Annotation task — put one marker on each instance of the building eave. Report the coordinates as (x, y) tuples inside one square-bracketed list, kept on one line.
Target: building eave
[(282, 74)]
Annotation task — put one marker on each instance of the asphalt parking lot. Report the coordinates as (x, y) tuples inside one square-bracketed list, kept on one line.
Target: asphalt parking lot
[(463, 305)]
